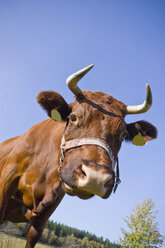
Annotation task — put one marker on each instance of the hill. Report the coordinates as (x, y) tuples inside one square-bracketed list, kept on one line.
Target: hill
[(58, 235)]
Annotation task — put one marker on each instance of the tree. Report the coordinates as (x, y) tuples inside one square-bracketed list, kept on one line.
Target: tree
[(45, 236), (143, 227), (53, 238), (85, 242)]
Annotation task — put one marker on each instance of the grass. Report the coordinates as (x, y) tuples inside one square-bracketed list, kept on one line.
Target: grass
[(7, 241)]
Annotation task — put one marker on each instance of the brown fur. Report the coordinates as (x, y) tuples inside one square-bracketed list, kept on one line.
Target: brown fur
[(30, 186)]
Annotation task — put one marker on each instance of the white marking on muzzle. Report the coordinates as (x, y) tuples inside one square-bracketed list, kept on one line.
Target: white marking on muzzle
[(94, 181)]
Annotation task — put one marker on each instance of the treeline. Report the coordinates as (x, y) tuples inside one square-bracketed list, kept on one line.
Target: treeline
[(58, 235), (65, 231)]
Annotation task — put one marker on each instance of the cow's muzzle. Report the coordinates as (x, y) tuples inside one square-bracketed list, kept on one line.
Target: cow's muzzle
[(95, 181), (90, 180)]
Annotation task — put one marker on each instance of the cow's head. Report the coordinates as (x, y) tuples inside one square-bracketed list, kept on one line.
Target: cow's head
[(95, 129)]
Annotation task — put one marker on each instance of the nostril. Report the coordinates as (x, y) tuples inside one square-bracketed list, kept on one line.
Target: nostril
[(109, 183), (80, 171), (108, 186), (83, 172)]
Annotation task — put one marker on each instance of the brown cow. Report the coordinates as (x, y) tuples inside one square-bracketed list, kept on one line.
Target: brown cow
[(74, 152)]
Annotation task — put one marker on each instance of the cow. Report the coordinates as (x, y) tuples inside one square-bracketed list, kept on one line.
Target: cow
[(74, 151)]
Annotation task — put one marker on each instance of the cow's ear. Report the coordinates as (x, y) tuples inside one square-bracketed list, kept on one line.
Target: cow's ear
[(140, 132), (54, 104)]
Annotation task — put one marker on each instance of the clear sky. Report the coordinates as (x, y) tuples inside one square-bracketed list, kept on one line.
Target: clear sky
[(44, 41)]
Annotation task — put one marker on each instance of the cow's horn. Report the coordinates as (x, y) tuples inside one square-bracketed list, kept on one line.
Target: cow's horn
[(73, 79), (144, 107)]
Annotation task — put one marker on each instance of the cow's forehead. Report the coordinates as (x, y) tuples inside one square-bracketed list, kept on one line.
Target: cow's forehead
[(105, 103), (98, 97)]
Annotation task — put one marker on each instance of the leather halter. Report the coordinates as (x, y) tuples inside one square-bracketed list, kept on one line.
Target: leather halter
[(74, 143)]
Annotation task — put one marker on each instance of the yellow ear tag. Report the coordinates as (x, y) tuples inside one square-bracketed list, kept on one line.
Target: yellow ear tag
[(55, 115), (138, 140)]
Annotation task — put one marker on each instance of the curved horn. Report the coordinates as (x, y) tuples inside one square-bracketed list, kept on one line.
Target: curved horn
[(73, 79), (144, 107)]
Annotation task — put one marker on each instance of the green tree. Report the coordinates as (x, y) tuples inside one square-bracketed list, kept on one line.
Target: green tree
[(143, 227), (52, 238), (85, 242), (45, 236)]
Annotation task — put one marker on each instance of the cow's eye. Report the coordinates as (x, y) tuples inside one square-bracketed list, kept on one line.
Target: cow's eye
[(73, 118)]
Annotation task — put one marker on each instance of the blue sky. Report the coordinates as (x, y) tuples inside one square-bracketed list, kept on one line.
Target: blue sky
[(42, 42)]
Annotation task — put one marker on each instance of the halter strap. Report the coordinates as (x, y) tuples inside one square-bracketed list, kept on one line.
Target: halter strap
[(67, 145), (74, 143)]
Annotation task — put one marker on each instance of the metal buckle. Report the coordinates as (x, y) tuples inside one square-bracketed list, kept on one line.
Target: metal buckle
[(118, 181)]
